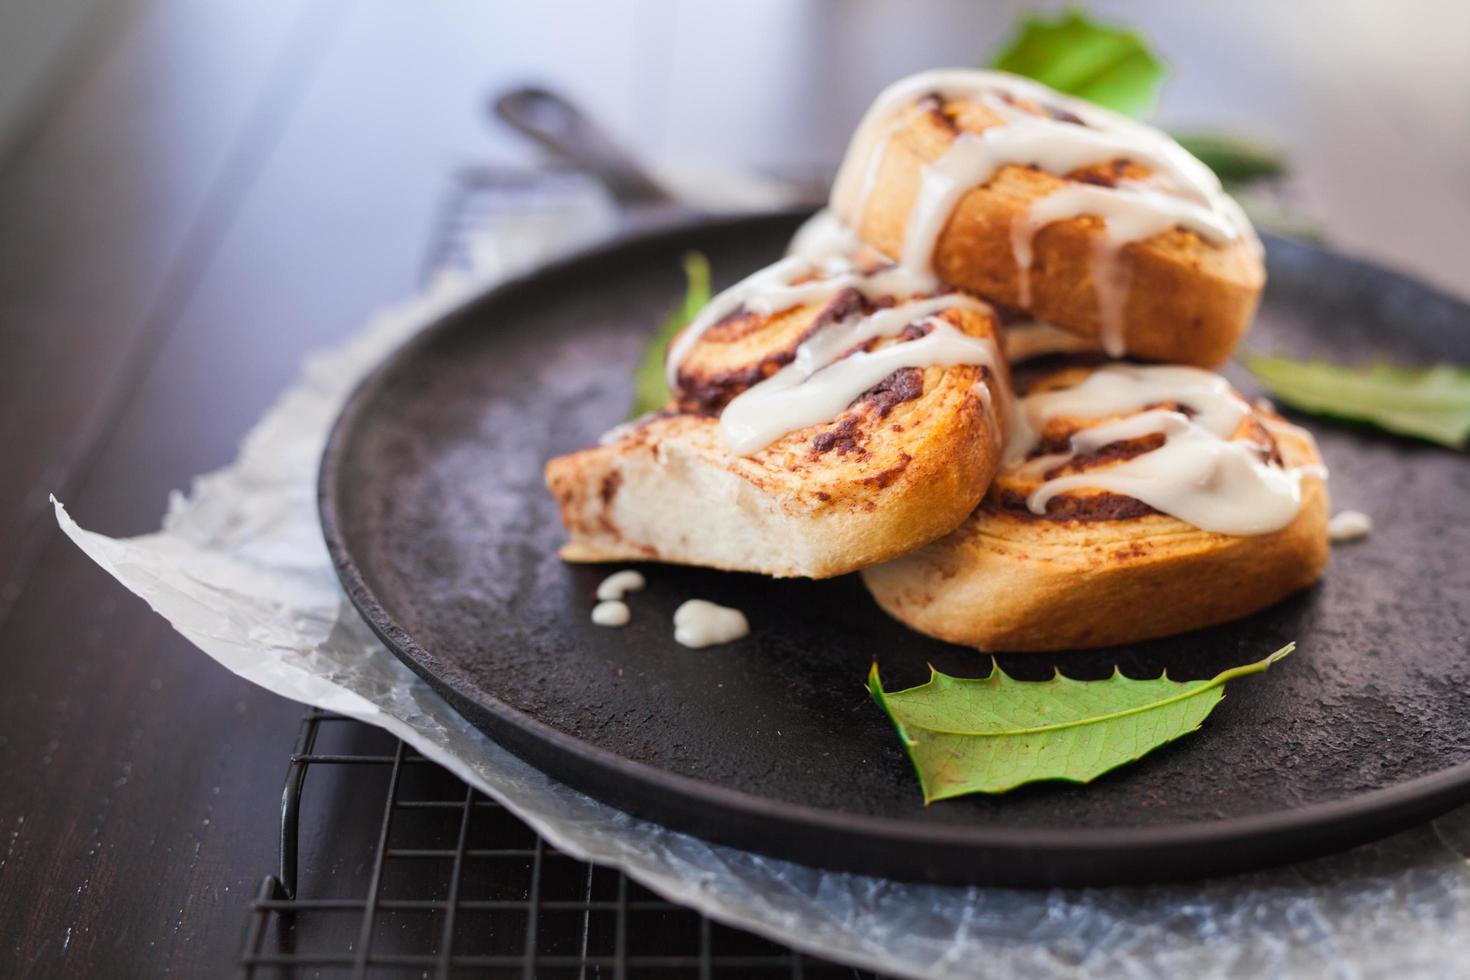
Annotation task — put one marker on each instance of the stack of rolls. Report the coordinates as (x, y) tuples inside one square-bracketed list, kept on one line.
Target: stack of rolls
[(981, 377)]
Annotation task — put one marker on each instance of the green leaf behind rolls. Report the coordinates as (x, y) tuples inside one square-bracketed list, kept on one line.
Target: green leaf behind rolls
[(991, 734), (650, 389), (1235, 159), (1080, 56), (1431, 403)]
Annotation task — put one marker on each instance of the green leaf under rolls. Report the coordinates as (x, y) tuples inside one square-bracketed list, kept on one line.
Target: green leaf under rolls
[(650, 389), (991, 734), (1429, 403)]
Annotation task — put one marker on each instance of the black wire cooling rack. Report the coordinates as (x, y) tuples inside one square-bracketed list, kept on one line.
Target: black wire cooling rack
[(392, 867)]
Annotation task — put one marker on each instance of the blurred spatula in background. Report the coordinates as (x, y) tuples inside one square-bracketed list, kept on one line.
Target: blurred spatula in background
[(558, 125), (590, 187)]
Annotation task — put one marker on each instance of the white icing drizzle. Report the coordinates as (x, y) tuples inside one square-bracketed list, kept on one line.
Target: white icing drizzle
[(829, 371), (793, 281), (1181, 191), (1021, 341), (819, 384), (1120, 389), (1130, 212), (987, 401), (1349, 525), (974, 158), (874, 165), (823, 236), (611, 613), (1200, 474), (619, 584), (1196, 476), (767, 291), (701, 623)]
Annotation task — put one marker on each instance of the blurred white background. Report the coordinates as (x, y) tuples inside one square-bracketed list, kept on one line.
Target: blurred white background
[(1371, 99)]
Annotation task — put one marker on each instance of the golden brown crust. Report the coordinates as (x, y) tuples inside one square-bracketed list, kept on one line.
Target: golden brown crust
[(746, 348), (1100, 569), (903, 465), (1189, 302)]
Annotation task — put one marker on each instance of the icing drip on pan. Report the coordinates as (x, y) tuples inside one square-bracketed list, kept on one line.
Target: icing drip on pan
[(701, 623), (1349, 525), (619, 584), (611, 612)]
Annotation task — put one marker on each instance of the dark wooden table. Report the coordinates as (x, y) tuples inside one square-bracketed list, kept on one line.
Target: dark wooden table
[(209, 190)]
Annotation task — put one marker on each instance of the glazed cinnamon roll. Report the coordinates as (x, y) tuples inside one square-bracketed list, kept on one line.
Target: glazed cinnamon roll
[(1135, 502), (1047, 204), (825, 417)]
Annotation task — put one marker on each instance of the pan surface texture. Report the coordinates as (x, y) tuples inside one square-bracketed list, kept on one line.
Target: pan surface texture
[(436, 516)]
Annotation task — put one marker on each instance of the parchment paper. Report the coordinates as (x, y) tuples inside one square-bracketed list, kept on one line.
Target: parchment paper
[(240, 569)]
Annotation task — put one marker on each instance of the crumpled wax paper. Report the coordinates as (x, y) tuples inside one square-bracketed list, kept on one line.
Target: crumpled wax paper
[(240, 569)]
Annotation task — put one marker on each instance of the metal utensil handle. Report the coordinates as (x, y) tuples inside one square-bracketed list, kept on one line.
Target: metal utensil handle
[(557, 124)]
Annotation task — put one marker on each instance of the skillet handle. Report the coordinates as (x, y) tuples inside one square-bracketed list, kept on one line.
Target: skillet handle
[(558, 125)]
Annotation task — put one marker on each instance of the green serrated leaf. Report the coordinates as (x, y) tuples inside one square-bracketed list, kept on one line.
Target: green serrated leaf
[(1108, 65), (1235, 159), (1431, 403), (650, 388), (991, 734)]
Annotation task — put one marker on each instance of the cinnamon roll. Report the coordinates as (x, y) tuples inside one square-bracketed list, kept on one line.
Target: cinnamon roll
[(1047, 204), (825, 417), (1135, 502)]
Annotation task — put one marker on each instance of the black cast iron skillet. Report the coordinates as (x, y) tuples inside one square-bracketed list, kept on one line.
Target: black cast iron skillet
[(435, 515)]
